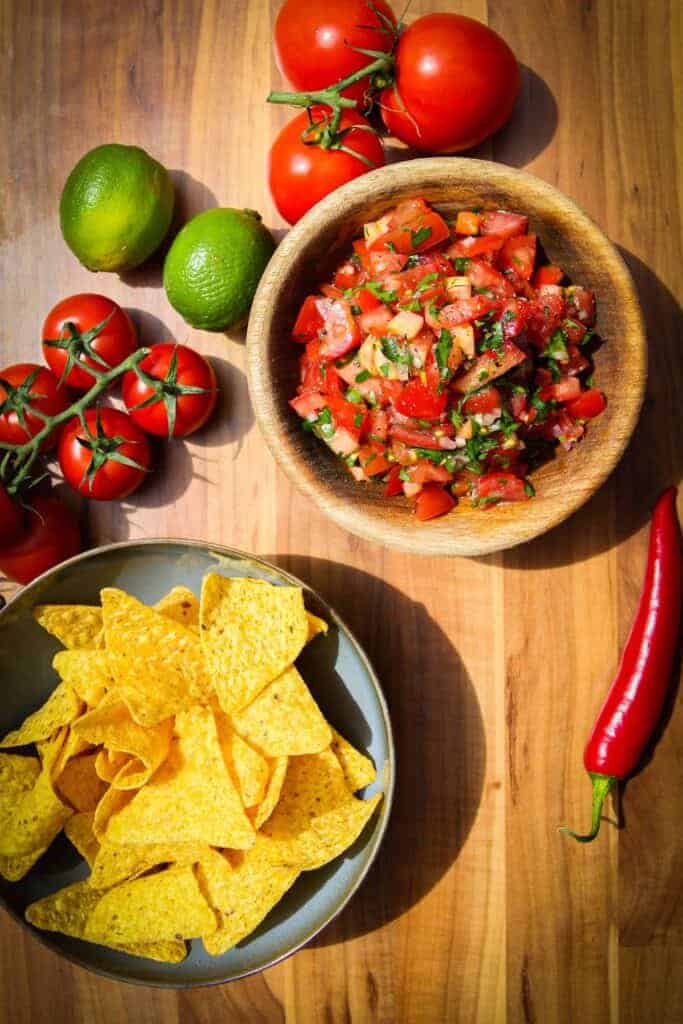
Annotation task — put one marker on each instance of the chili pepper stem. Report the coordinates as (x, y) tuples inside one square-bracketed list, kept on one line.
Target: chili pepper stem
[(602, 784)]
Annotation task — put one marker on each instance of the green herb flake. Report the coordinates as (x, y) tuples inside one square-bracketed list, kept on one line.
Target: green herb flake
[(395, 351), (420, 236), (529, 489), (363, 375), (461, 263), (557, 347), (384, 296), (442, 350), (425, 282)]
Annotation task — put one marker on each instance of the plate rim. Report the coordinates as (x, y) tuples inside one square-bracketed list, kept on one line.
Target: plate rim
[(223, 550)]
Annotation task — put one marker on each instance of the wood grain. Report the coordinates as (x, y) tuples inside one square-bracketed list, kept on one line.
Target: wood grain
[(494, 668)]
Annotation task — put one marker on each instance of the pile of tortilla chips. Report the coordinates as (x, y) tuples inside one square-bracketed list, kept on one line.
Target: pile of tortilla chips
[(186, 760)]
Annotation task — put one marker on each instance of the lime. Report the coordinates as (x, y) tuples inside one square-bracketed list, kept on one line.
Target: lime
[(116, 207), (214, 266)]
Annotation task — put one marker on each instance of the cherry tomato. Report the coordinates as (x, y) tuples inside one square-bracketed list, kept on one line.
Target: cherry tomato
[(299, 175), (41, 389), (316, 44), (457, 83), (106, 461), (177, 368), (51, 535), (11, 518), (77, 317)]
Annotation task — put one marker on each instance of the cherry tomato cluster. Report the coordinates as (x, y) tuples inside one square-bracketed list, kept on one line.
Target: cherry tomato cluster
[(441, 85), (89, 343)]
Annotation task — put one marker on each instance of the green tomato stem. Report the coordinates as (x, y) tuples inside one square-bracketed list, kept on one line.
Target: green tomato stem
[(331, 96)]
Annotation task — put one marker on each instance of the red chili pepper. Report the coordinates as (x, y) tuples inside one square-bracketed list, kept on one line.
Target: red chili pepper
[(635, 701)]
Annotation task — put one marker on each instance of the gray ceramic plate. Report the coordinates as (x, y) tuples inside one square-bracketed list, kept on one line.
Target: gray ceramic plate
[(339, 676)]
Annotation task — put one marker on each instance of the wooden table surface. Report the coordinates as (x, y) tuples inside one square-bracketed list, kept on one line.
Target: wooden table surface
[(477, 910)]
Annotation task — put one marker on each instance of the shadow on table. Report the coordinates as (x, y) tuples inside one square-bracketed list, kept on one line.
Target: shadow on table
[(439, 736), (653, 459)]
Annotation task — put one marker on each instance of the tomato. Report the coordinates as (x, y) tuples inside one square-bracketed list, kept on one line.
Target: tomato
[(348, 276), (486, 246), (421, 402), (386, 262), (106, 460), (465, 310), (501, 486), (11, 518), (309, 322), (484, 276), (426, 472), (299, 175), (351, 417), (76, 318), (550, 274), (394, 485), (433, 501), (375, 321), (563, 391), (588, 405), (489, 366), (340, 332), (36, 385), (372, 460), (486, 401), (186, 393), (580, 304), (504, 224), (514, 317), (414, 438), (457, 80), (423, 231), (308, 404), (316, 44), (51, 535), (519, 254), (366, 300), (547, 313)]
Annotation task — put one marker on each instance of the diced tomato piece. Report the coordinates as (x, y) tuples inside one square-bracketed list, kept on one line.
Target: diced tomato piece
[(489, 366), (330, 291), (408, 211), (425, 472), (590, 404), (472, 246), (562, 391), (414, 438), (487, 401), (384, 261), (349, 416), (519, 254), (433, 501), (372, 460), (340, 332), (504, 224), (378, 425), (580, 304), (313, 369), (518, 404), (421, 402), (411, 230), (375, 320), (501, 486), (361, 251), (394, 484), (574, 331), (483, 275), (549, 274), (308, 403), (467, 223), (514, 317), (564, 429), (577, 361), (366, 300), (310, 320), (348, 275), (465, 310), (507, 459), (547, 313)]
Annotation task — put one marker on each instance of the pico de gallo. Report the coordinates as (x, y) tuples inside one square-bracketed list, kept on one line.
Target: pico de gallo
[(446, 359)]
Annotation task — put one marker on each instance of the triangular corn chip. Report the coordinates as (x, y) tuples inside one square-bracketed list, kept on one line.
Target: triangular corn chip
[(79, 832), (61, 707), (358, 769), (79, 785), (284, 719), (87, 671), (278, 771), (74, 625)]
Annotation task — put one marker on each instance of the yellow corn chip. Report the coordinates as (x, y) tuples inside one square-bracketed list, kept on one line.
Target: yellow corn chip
[(250, 632), (160, 907), (79, 784), (156, 662), (359, 771), (73, 746), (79, 832), (87, 671), (30, 817), (284, 719), (108, 763), (17, 778), (112, 725), (245, 894), (115, 863), (316, 625), (316, 818), (67, 911), (113, 801), (74, 625), (249, 770), (191, 798), (61, 707), (182, 606), (273, 790)]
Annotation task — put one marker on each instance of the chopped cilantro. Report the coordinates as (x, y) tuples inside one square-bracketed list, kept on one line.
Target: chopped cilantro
[(461, 263), (412, 261), (420, 236), (358, 420), (349, 293), (529, 489), (356, 310), (457, 418), (484, 375), (325, 423), (363, 375), (413, 306), (395, 352), (588, 336), (390, 246), (376, 288), (442, 351), (403, 474), (492, 337), (426, 281), (557, 347), (477, 447), (384, 369), (352, 395)]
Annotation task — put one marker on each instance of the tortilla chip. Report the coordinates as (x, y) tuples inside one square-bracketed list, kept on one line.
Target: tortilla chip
[(244, 895), (61, 707), (156, 663), (17, 778), (112, 725), (316, 625), (67, 911), (181, 605), (87, 671), (79, 784), (73, 746), (160, 907), (108, 763), (116, 863), (250, 632), (284, 719), (249, 770), (273, 790), (113, 801), (359, 771), (316, 818), (79, 832), (74, 625), (31, 815), (191, 798)]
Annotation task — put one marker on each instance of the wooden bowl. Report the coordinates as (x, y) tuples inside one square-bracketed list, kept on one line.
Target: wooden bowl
[(316, 245)]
